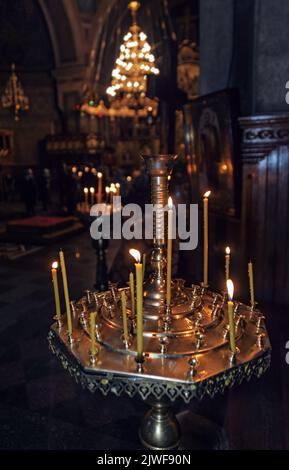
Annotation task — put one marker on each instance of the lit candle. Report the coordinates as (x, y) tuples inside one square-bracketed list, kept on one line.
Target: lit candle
[(131, 285), (66, 293), (118, 188), (107, 193), (227, 262), (206, 236), (139, 300), (99, 189), (169, 250), (85, 196), (230, 287), (251, 283), (124, 316), (92, 191), (93, 349), (56, 289), (111, 189)]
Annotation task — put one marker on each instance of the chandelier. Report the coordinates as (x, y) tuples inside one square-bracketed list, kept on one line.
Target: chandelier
[(13, 96), (135, 62)]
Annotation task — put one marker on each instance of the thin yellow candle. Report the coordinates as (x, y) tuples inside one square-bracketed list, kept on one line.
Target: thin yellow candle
[(93, 349), (230, 287), (227, 262), (169, 250), (139, 300), (56, 289), (131, 285), (206, 236), (85, 196), (66, 292), (99, 189), (92, 192), (251, 283), (124, 316)]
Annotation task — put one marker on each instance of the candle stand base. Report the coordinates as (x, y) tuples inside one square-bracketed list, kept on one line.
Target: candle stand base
[(159, 429)]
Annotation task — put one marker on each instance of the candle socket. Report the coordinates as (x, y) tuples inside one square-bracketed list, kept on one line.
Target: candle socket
[(93, 357), (164, 340), (260, 340), (236, 308), (140, 363), (58, 321), (195, 290), (198, 319), (192, 372), (215, 312), (73, 306), (126, 341), (252, 310), (167, 318), (133, 326), (204, 288), (240, 320), (259, 322), (89, 296), (98, 332), (82, 320), (225, 295), (226, 332), (199, 336), (113, 289), (70, 339), (215, 300), (233, 357)]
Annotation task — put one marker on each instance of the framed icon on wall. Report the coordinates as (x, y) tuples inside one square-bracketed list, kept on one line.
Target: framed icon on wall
[(212, 149)]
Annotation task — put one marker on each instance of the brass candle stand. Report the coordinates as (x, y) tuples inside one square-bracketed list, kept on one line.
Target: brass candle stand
[(186, 345)]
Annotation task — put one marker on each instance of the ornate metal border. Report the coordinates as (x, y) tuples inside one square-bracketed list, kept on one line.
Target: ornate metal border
[(140, 385)]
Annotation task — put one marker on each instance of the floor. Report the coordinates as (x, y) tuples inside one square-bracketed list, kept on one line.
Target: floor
[(42, 408)]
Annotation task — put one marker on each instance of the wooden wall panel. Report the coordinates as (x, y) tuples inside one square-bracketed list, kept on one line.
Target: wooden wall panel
[(265, 207)]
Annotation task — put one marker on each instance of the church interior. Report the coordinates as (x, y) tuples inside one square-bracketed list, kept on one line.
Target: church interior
[(115, 340)]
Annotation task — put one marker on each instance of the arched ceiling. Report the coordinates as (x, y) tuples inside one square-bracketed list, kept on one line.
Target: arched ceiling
[(40, 33), (24, 37)]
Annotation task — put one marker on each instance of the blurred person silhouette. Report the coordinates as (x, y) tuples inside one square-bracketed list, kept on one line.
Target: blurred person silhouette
[(29, 192), (44, 188)]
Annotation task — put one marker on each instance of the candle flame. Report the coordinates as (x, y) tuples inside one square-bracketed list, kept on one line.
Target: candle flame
[(117, 185), (92, 190), (135, 254), (230, 288), (85, 190), (107, 189), (207, 194), (170, 203), (99, 174), (228, 251), (54, 265)]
